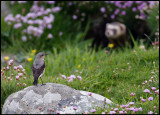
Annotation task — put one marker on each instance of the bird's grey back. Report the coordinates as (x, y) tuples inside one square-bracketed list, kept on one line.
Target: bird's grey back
[(38, 63)]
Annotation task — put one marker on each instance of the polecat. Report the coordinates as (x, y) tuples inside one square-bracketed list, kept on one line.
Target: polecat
[(117, 34)]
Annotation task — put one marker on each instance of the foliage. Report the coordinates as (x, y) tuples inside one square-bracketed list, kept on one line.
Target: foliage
[(114, 75), (48, 24)]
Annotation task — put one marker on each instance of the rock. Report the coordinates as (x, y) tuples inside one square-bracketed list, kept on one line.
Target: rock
[(51, 98)]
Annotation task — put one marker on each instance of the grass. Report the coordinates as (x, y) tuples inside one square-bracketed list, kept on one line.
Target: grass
[(114, 75)]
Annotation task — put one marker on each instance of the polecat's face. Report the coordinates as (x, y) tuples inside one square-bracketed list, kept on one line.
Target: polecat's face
[(115, 30)]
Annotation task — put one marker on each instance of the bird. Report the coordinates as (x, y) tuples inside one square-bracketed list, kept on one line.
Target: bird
[(38, 67)]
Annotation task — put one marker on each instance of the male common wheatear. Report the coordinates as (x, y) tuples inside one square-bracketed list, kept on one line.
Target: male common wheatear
[(38, 67)]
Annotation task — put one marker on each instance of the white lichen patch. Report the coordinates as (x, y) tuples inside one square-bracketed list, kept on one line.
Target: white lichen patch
[(96, 96), (49, 97), (69, 110), (15, 95), (74, 97), (31, 97), (84, 100), (14, 106)]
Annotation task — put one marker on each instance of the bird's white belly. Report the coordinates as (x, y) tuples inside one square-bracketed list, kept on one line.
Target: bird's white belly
[(42, 73)]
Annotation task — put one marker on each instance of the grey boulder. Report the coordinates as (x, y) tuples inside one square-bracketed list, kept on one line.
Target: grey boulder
[(52, 98)]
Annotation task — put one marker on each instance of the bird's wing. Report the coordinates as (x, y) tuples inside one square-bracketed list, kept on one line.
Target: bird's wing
[(38, 72)]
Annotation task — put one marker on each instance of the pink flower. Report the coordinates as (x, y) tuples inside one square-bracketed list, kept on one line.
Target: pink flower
[(131, 109), (157, 91), (74, 17), (70, 80), (60, 33), (116, 109), (79, 78), (24, 84), (75, 108), (49, 26), (51, 110), (72, 76), (63, 76), (20, 74), (8, 78), (50, 35), (103, 112), (146, 91), (112, 112), (107, 51), (135, 110), (131, 103), (17, 84), (150, 112), (103, 9), (150, 99), (140, 109), (40, 108), (143, 100), (56, 9), (127, 109), (93, 110), (24, 38), (89, 93), (126, 105), (15, 67), (123, 12), (17, 77), (86, 112), (153, 88), (134, 9), (18, 25), (123, 106), (24, 78), (116, 11), (20, 67), (10, 62), (112, 16), (132, 94), (58, 112), (120, 112), (7, 68)]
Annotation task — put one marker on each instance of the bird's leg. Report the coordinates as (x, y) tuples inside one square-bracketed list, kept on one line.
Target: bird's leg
[(42, 82)]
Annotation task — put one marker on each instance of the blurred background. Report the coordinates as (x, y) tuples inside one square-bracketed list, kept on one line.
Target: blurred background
[(73, 34), (45, 25)]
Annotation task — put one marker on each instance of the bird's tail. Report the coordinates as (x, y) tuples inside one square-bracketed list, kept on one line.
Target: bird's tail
[(35, 82)]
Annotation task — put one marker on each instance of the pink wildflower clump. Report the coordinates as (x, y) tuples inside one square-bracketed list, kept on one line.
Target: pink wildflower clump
[(146, 91), (143, 100), (157, 91), (150, 99), (90, 94), (150, 112), (71, 78), (14, 72), (131, 103), (153, 88), (35, 21), (132, 94), (79, 78), (93, 110), (75, 108), (112, 112), (63, 76)]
